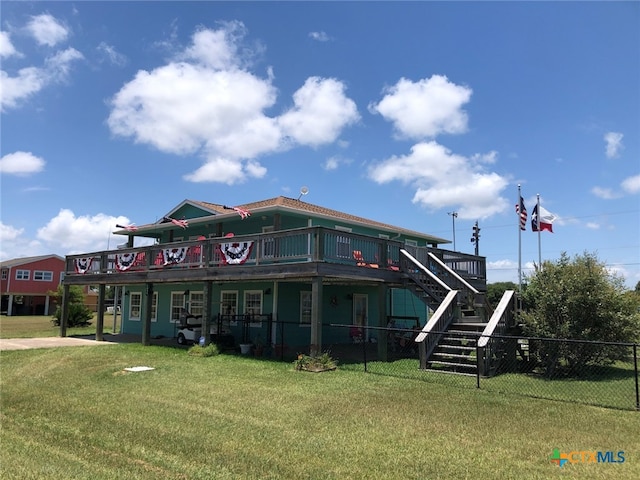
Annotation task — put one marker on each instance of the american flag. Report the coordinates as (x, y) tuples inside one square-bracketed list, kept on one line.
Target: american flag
[(522, 211), (129, 228), (180, 223)]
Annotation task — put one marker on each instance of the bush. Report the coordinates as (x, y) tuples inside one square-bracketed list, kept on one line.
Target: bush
[(580, 300), (79, 316), (317, 363), (210, 350)]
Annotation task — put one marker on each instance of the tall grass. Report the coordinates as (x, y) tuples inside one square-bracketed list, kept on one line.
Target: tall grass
[(75, 413)]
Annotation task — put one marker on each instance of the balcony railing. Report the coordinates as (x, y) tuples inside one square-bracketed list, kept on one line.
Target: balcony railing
[(314, 244)]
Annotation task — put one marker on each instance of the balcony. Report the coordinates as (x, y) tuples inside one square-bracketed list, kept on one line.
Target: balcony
[(297, 253)]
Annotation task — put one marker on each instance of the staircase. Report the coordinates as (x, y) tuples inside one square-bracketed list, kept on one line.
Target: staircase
[(460, 321)]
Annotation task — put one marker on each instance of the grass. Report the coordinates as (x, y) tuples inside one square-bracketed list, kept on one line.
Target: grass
[(75, 413), (31, 326)]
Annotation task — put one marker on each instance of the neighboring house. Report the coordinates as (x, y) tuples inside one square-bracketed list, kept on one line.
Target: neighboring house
[(26, 282), (280, 271)]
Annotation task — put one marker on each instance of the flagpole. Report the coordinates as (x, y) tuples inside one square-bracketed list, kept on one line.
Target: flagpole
[(519, 245), (538, 215)]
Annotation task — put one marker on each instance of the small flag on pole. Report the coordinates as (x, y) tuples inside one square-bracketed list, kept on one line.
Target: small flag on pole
[(522, 211), (128, 228), (240, 211), (546, 220), (180, 223)]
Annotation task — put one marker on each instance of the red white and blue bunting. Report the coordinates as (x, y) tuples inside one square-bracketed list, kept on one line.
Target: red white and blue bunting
[(83, 264), (235, 253), (174, 255), (124, 261)]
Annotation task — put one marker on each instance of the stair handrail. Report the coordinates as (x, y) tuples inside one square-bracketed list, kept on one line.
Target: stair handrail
[(430, 334), (453, 273), (498, 314), (428, 272), (489, 351)]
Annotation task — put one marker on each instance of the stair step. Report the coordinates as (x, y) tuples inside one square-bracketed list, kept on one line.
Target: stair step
[(451, 364), (452, 355), (448, 372), (456, 348)]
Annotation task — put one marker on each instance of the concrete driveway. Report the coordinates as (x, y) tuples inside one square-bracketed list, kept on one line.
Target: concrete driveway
[(46, 342), (51, 342)]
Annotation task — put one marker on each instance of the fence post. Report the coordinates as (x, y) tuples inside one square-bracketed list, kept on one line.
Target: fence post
[(364, 347), (635, 367)]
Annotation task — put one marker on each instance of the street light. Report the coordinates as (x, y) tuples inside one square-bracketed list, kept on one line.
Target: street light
[(454, 215)]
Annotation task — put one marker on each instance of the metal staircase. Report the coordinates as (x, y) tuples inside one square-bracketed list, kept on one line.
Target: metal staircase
[(456, 339)]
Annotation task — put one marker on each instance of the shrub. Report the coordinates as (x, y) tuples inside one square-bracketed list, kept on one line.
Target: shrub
[(210, 350), (316, 363), (79, 316)]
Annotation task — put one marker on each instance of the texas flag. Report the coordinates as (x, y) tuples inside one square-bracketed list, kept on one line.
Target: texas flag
[(546, 219)]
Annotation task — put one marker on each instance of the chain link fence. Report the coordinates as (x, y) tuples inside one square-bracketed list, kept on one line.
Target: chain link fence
[(602, 374)]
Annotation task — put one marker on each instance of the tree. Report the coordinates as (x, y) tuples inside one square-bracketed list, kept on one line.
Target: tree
[(79, 314), (578, 299), (495, 291)]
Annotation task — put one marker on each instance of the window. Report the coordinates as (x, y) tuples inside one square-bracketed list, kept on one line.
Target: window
[(196, 303), (253, 305), (154, 307), (305, 308), (177, 306), (42, 276), (135, 305), (5, 273), (23, 274), (228, 302)]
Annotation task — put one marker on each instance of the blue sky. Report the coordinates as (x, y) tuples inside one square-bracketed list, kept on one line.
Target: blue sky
[(115, 112)]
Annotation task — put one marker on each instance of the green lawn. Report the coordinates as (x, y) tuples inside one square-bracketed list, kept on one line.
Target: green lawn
[(31, 326), (73, 413)]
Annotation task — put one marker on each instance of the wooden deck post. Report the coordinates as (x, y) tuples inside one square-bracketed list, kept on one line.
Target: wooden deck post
[(206, 312), (146, 324), (316, 316), (100, 319), (64, 311), (382, 335)]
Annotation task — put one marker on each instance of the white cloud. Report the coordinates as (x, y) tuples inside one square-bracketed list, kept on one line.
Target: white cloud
[(21, 163), (111, 54), (331, 163), (31, 80), (6, 47), (206, 102), (76, 234), (321, 111), (426, 108), (613, 141), (631, 184), (9, 233), (604, 193), (47, 30), (593, 225), (319, 36), (442, 179)]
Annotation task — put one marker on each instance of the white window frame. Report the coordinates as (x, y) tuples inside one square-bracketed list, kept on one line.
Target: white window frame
[(196, 307), (154, 307), (23, 274), (45, 276), (252, 310), (132, 304), (305, 308), (174, 316)]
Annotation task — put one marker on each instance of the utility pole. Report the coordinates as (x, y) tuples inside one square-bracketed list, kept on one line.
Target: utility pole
[(475, 237), (454, 215)]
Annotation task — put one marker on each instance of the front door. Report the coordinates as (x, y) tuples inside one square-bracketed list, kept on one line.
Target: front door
[(361, 312)]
